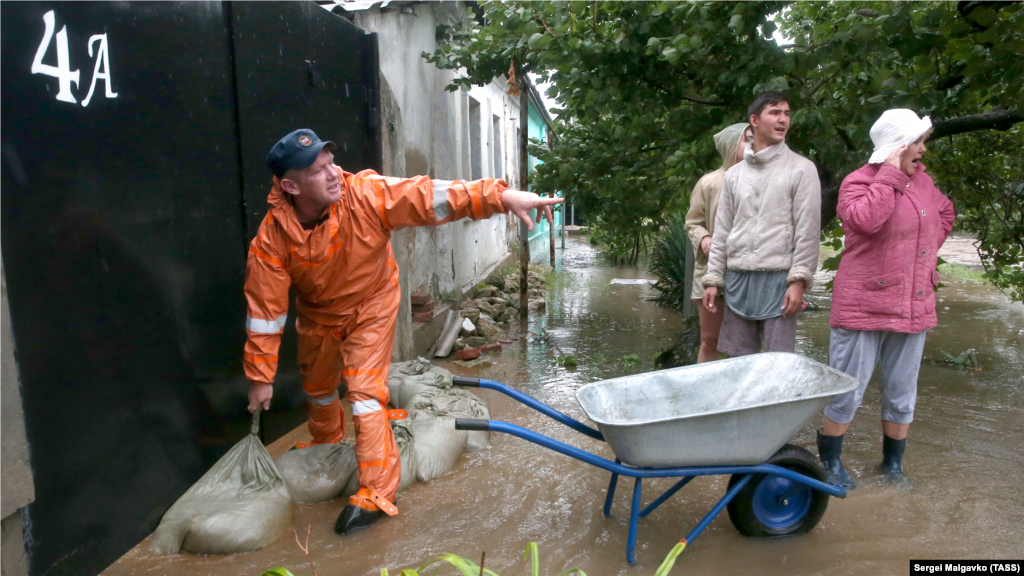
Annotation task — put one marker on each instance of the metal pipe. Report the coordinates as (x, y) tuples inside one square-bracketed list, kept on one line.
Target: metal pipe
[(668, 494), (542, 408), (524, 177), (624, 470), (634, 519), (611, 492), (718, 508)]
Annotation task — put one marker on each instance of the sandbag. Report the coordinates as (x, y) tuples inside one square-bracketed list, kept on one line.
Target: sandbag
[(412, 386), (319, 473), (241, 504), (454, 402), (403, 437), (436, 444), (399, 371)]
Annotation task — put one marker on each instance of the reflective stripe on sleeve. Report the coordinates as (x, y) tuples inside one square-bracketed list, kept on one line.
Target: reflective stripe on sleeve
[(322, 401), (365, 407), (265, 326), (441, 208)]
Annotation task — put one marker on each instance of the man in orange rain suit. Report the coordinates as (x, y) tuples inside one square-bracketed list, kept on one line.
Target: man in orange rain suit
[(327, 233)]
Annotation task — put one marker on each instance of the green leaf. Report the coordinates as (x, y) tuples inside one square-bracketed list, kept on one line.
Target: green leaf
[(535, 39), (736, 21), (467, 567), (983, 15), (280, 571), (532, 552), (670, 560)]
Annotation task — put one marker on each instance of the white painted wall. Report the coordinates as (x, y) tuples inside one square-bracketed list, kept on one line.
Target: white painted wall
[(436, 128)]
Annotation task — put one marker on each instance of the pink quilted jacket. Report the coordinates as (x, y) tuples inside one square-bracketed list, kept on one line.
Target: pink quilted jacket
[(894, 227)]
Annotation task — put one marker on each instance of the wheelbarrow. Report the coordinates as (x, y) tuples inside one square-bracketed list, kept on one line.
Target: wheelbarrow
[(727, 417)]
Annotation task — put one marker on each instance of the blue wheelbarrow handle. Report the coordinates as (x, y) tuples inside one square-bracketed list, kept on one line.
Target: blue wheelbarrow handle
[(629, 471), (529, 401)]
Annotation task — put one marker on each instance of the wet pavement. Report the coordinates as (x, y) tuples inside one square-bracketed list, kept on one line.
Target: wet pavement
[(965, 456)]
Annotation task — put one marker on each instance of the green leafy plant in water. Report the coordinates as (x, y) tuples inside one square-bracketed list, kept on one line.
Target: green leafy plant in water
[(668, 262), (468, 567), (569, 362), (598, 358), (531, 556), (966, 359), (630, 360)]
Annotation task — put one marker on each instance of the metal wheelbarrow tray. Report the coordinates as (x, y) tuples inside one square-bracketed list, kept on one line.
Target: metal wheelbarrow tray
[(736, 411), (726, 417)]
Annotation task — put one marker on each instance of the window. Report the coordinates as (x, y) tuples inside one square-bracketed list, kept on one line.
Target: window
[(499, 172), (475, 151)]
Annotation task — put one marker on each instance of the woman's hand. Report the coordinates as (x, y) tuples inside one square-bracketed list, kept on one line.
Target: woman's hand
[(705, 244), (894, 158), (793, 301), (710, 293)]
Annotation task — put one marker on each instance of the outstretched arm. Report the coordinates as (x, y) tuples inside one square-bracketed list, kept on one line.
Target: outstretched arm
[(422, 201)]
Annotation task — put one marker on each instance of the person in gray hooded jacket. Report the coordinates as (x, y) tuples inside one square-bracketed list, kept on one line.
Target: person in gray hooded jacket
[(765, 247)]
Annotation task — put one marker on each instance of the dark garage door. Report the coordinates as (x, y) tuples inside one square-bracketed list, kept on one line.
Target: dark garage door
[(125, 221)]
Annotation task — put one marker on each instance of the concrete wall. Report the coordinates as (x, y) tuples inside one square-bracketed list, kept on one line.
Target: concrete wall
[(16, 488), (429, 133)]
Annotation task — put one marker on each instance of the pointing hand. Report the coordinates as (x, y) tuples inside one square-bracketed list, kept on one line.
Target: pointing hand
[(520, 204)]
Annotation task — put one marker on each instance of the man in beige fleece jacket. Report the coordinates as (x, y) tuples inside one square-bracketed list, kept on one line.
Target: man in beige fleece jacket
[(765, 247)]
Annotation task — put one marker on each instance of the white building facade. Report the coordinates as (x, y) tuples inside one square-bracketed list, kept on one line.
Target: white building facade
[(446, 135)]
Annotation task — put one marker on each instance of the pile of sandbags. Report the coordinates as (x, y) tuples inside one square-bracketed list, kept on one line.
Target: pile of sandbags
[(241, 504), (427, 440), (244, 501)]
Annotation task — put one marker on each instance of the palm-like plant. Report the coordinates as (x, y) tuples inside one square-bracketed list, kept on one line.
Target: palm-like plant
[(668, 262)]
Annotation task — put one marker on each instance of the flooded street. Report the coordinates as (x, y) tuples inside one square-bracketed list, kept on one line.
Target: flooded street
[(965, 456)]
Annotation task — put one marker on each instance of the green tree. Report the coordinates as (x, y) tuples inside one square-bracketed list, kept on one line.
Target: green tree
[(641, 87)]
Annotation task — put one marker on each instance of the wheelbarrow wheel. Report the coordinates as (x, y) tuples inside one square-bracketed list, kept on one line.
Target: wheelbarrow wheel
[(770, 506)]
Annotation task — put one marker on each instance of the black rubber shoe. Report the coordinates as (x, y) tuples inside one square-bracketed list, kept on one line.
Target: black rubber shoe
[(355, 518), (892, 460), (829, 450)]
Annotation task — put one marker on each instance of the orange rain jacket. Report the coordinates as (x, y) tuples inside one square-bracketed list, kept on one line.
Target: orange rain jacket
[(347, 282), (346, 259)]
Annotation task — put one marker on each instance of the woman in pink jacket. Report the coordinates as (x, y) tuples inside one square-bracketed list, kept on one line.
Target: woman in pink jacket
[(883, 297)]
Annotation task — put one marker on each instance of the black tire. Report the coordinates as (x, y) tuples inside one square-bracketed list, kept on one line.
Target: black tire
[(761, 514)]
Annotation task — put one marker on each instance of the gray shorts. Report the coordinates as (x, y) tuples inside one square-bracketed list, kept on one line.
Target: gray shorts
[(740, 337), (857, 351)]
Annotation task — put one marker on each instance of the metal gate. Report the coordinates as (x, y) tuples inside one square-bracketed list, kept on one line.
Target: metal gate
[(133, 141)]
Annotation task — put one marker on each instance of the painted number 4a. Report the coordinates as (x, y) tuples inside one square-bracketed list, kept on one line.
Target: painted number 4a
[(62, 71)]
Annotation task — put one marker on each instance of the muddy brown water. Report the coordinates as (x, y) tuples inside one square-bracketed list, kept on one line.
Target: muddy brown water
[(965, 456)]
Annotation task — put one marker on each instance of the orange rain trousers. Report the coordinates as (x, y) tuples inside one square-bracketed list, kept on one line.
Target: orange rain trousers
[(359, 351), (346, 282)]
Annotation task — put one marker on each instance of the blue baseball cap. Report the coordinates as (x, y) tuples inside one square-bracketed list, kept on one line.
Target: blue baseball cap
[(298, 149)]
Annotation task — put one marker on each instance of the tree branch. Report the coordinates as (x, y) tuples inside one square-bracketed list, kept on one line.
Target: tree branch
[(996, 120), (703, 102)]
